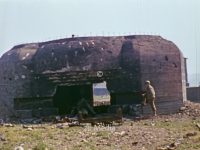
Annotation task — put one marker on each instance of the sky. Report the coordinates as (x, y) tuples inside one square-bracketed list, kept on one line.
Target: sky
[(26, 21)]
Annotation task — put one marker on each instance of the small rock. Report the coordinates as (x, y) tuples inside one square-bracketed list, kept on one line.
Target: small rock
[(2, 137), (29, 129), (74, 124), (148, 142), (84, 140), (143, 148), (134, 143), (123, 133), (170, 148), (57, 117), (173, 145), (161, 148), (25, 126), (19, 148), (166, 120), (97, 144), (8, 125), (108, 144), (190, 134), (60, 126), (188, 113), (198, 125), (182, 108)]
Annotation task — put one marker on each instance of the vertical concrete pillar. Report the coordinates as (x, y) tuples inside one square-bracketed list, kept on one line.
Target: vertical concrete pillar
[(186, 73)]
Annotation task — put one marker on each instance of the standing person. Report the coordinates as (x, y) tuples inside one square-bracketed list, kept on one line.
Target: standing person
[(150, 96)]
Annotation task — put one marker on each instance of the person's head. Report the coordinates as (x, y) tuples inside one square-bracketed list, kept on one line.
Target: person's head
[(147, 82)]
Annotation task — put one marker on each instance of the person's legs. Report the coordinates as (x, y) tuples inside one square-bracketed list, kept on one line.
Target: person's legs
[(153, 106), (144, 102)]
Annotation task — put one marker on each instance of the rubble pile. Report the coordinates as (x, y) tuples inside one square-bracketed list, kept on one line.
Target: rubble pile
[(191, 109)]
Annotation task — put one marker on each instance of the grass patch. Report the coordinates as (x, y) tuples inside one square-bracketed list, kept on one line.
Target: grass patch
[(80, 138), (41, 146)]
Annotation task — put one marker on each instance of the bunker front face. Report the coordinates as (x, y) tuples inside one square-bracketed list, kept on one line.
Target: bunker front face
[(50, 77)]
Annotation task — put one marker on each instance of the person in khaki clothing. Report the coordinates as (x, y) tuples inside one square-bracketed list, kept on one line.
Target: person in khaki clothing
[(149, 96)]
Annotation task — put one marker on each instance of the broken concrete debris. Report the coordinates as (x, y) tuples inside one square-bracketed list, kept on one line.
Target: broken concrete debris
[(188, 135), (198, 126), (2, 137)]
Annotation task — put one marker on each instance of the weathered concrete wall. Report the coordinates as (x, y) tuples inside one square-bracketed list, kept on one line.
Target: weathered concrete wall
[(33, 71), (17, 80), (193, 94), (162, 64)]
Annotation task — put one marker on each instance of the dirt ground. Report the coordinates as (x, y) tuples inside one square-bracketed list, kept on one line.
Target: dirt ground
[(179, 131)]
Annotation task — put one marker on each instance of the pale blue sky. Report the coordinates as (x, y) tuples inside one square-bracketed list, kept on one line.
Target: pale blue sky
[(25, 21)]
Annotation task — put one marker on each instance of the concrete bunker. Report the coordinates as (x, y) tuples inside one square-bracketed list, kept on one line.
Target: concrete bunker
[(49, 77)]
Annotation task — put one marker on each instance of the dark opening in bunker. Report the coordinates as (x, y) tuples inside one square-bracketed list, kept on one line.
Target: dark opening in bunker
[(67, 97)]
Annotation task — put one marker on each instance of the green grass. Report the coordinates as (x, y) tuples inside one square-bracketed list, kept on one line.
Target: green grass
[(41, 146), (78, 138), (178, 129)]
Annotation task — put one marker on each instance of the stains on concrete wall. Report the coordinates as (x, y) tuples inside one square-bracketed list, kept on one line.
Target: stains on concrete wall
[(35, 71)]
